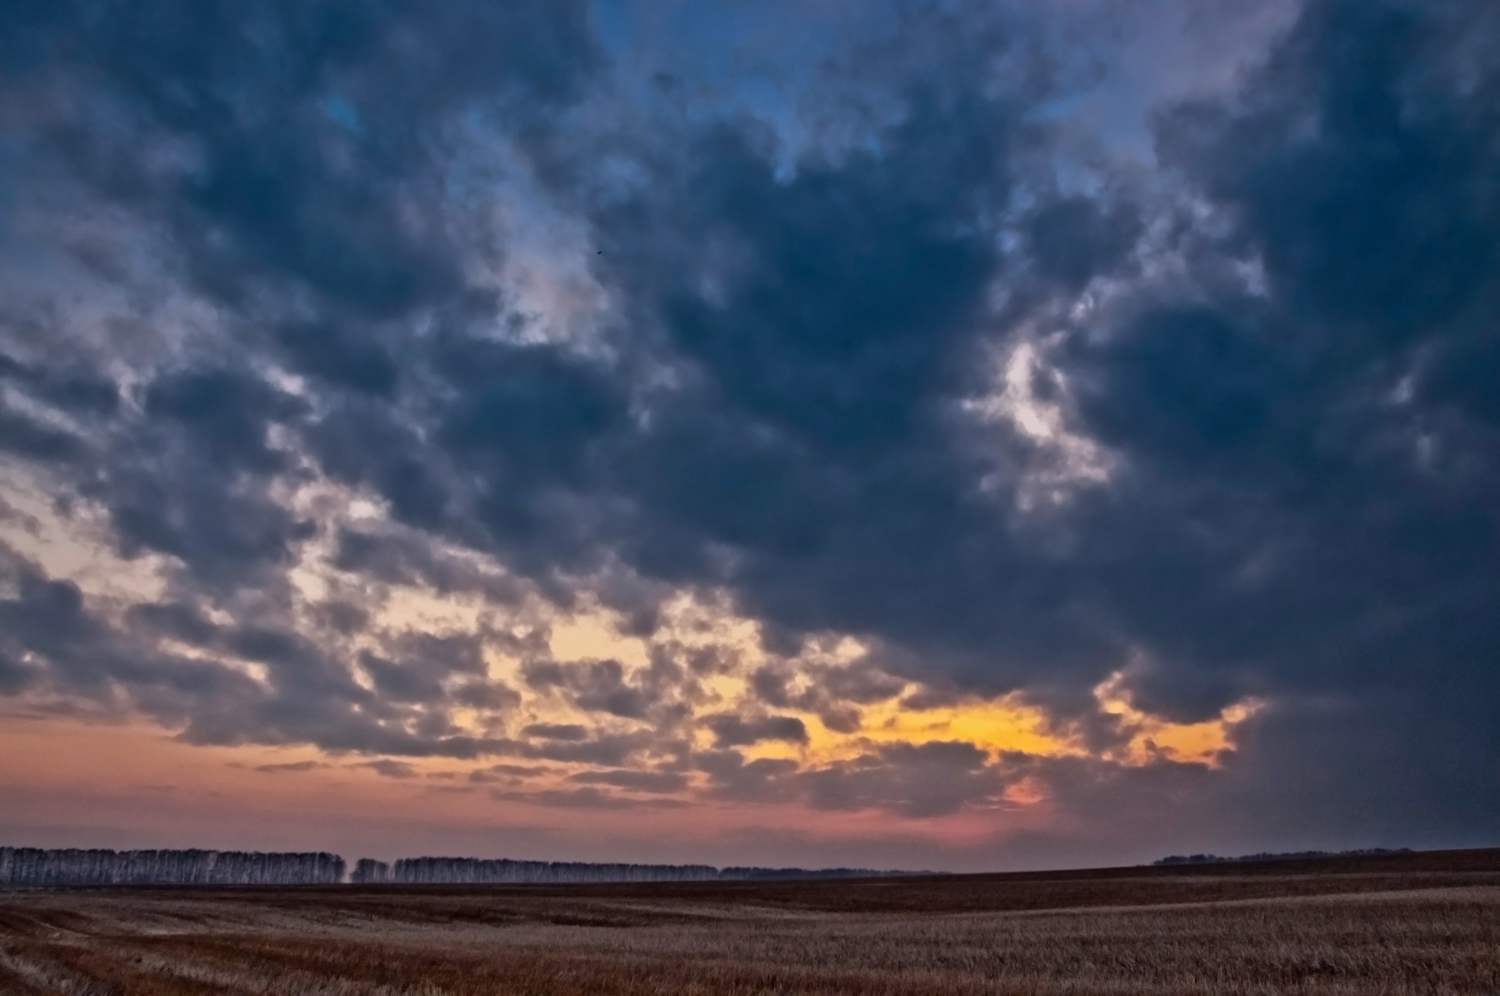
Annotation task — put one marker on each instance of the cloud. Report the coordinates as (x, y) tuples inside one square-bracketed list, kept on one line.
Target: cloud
[(607, 749), (731, 730), (1308, 491), (834, 693), (437, 669), (915, 780), (638, 781), (602, 686), (513, 774), (28, 438), (571, 732), (190, 481), (588, 797), (301, 301), (387, 768), (761, 780), (1071, 239), (73, 653), (411, 560), (291, 766), (307, 695)]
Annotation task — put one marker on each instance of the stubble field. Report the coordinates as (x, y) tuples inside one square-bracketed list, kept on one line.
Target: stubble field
[(1427, 923)]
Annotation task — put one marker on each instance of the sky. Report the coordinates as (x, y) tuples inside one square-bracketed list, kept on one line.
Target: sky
[(907, 434)]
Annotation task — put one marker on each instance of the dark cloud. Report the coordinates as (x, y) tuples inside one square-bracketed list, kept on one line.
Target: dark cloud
[(914, 780), (910, 780), (412, 560), (191, 480), (602, 686), (276, 104), (1295, 513), (1317, 505), (841, 719), (1072, 239), (425, 667), (833, 693), (79, 395), (770, 685), (402, 684), (15, 677), (265, 145), (26, 437), (71, 652), (291, 766), (78, 391), (732, 730), (1299, 416), (603, 749), (638, 781), (341, 357), (510, 774), (478, 693), (308, 694), (387, 768), (178, 620), (761, 780), (223, 415), (556, 731), (587, 797), (344, 618)]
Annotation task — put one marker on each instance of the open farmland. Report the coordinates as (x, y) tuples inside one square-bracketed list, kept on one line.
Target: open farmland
[(1424, 923)]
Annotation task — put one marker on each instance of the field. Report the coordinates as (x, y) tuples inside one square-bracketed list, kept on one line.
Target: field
[(1426, 923)]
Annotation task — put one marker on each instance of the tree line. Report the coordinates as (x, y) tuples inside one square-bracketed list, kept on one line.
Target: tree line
[(478, 871), (39, 866), (31, 866), (1215, 859)]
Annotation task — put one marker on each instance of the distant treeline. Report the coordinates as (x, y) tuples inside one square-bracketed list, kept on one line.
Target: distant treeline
[(1214, 859), (32, 866), (476, 871), (36, 866)]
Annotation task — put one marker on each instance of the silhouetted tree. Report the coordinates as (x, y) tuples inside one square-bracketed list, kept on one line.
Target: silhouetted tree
[(38, 866)]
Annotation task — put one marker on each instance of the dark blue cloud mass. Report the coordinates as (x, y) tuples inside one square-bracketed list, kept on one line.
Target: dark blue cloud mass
[(1280, 340)]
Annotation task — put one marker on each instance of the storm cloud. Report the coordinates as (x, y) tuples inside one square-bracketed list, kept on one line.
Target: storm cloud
[(1210, 426)]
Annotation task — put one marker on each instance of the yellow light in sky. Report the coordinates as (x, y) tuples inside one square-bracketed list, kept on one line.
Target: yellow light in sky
[(992, 725), (1155, 737)]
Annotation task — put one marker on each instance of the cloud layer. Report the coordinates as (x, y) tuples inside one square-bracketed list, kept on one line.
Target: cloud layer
[(373, 353)]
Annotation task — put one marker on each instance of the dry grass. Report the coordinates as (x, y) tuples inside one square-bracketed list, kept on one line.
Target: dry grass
[(1423, 926)]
